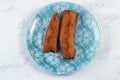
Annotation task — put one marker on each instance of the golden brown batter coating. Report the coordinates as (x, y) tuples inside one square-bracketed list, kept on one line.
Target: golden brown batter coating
[(67, 30), (51, 37)]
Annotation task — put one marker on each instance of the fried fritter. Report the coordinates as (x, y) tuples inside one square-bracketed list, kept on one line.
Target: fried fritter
[(67, 30), (51, 37)]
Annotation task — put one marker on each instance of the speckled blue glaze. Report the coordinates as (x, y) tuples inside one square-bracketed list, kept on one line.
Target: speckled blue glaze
[(87, 38)]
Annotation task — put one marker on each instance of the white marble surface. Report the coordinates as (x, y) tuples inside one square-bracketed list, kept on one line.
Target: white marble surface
[(17, 64)]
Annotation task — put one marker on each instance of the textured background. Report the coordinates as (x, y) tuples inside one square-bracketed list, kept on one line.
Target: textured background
[(16, 63)]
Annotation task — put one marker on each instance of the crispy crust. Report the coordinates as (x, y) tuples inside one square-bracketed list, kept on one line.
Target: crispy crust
[(67, 34), (51, 37)]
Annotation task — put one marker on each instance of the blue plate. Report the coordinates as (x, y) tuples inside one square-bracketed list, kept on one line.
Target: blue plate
[(87, 38)]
